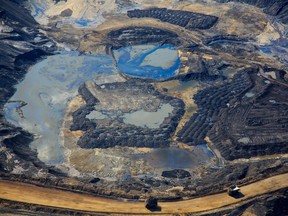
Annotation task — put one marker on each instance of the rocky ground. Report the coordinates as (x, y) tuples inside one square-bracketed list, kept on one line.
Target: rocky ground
[(237, 104)]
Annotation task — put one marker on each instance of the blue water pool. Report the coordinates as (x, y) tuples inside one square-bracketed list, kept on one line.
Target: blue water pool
[(82, 22), (148, 61)]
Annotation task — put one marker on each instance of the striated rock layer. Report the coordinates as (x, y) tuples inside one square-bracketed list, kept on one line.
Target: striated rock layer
[(186, 19)]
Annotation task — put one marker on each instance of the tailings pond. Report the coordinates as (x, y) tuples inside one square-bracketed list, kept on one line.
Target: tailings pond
[(41, 99), (46, 90), (175, 158), (140, 118), (148, 61)]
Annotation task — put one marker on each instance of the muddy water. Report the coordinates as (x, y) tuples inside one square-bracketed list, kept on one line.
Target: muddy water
[(50, 84), (140, 118), (148, 61), (143, 118), (175, 158), (46, 89)]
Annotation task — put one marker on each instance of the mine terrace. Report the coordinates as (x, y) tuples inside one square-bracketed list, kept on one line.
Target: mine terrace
[(140, 100)]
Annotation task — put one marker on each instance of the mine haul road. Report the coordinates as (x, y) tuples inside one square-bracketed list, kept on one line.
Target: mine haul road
[(32, 194)]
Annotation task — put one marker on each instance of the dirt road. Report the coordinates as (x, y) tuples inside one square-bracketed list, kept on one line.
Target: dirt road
[(63, 199)]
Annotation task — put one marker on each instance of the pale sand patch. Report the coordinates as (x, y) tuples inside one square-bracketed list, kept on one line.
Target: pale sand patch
[(87, 9), (269, 34)]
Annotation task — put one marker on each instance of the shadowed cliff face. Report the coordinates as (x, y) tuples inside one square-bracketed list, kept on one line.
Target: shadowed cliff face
[(13, 11), (19, 49)]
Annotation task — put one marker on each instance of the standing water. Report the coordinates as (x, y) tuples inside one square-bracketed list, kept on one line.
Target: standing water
[(148, 61), (46, 90)]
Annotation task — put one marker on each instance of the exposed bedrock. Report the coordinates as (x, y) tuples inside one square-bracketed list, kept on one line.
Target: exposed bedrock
[(210, 101), (15, 154), (186, 19), (277, 8), (14, 12), (255, 124), (19, 50), (141, 35), (106, 117)]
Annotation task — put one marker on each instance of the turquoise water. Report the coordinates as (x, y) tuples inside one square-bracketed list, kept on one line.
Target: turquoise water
[(148, 61), (46, 89)]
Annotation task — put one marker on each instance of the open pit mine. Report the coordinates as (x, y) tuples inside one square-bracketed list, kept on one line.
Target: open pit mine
[(140, 107)]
